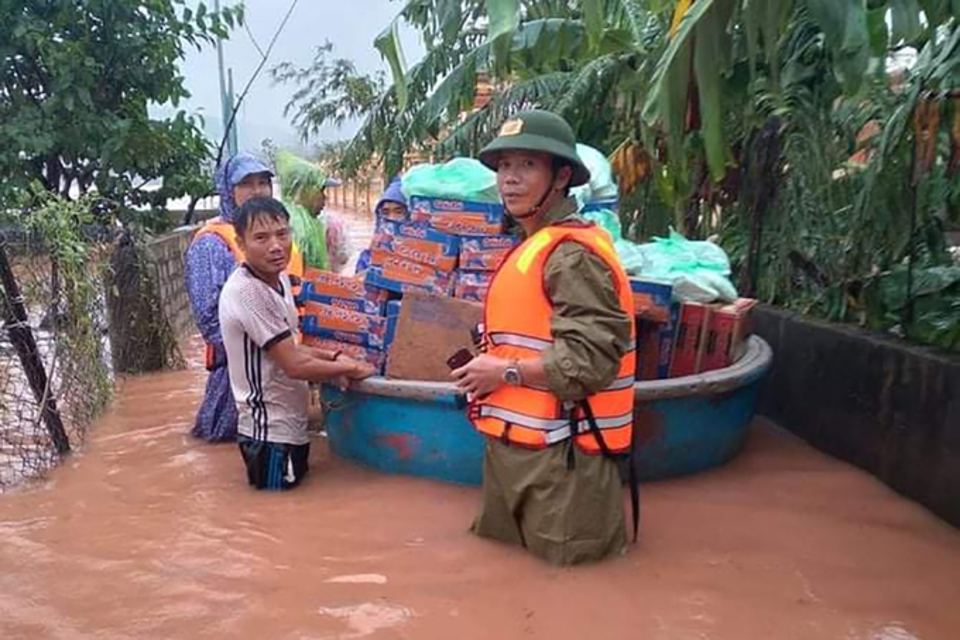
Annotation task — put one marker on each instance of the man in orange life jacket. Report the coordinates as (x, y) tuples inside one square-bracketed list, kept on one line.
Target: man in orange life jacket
[(553, 390), (211, 258)]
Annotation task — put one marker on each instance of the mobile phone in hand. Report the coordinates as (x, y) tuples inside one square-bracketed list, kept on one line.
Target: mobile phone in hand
[(459, 359)]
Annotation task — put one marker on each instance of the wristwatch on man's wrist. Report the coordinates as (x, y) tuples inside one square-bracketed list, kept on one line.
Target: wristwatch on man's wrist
[(511, 375)]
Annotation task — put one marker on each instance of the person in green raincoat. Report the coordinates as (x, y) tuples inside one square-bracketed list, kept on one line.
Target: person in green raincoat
[(322, 237)]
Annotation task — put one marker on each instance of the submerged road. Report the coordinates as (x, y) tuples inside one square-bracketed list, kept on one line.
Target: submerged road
[(150, 534)]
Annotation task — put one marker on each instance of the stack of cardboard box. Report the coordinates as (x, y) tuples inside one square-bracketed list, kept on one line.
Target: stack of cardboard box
[(688, 338), (480, 257), (419, 253), (445, 247), (411, 255), (341, 313)]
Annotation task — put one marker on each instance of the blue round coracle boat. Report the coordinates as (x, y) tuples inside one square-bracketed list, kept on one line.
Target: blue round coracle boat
[(684, 425)]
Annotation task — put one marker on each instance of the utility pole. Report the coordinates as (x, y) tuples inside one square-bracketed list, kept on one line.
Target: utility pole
[(231, 100), (226, 97)]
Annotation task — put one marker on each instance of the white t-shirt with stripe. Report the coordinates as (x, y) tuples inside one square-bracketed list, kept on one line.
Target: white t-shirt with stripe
[(253, 317)]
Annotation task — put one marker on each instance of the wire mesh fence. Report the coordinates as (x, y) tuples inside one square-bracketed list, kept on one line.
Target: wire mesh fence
[(55, 370), (78, 301)]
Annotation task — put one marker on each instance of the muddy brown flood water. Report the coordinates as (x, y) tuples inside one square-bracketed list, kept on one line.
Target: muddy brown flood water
[(150, 534)]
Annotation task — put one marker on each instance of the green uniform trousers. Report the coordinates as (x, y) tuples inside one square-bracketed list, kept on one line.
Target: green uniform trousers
[(564, 515)]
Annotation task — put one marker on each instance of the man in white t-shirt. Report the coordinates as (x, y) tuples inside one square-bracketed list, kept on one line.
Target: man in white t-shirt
[(268, 369)]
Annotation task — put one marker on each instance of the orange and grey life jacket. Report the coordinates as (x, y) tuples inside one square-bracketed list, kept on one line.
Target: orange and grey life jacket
[(226, 232), (517, 326)]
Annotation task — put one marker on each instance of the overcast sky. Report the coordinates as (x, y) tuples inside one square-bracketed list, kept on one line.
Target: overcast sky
[(351, 25)]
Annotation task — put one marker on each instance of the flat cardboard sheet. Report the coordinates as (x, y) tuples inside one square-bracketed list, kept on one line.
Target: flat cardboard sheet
[(430, 329)]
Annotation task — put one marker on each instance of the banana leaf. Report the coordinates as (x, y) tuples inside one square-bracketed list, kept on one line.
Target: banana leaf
[(936, 299)]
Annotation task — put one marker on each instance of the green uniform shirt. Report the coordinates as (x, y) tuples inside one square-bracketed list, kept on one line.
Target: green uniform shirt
[(590, 330)]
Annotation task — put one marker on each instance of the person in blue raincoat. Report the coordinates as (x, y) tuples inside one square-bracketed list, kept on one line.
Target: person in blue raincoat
[(208, 263), (391, 206)]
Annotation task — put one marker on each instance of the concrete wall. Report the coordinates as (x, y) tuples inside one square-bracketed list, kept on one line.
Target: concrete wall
[(166, 253), (887, 407)]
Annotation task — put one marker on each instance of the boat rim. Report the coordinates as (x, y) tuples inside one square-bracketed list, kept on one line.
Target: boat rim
[(755, 361)]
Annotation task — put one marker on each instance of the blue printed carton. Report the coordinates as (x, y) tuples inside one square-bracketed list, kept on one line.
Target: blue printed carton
[(416, 242), (400, 276), (447, 244), (375, 357), (485, 253), (652, 299), (311, 327), (458, 217), (360, 305), (489, 211), (332, 285), (473, 285)]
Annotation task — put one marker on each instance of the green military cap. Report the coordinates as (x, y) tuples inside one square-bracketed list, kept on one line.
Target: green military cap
[(538, 130)]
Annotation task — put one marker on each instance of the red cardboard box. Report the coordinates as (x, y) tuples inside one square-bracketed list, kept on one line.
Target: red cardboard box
[(730, 325), (691, 341)]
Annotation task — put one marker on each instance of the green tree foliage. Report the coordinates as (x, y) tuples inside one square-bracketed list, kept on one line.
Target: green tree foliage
[(330, 91), (76, 80), (747, 112)]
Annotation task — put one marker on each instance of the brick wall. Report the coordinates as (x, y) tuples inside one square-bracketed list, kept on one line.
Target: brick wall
[(166, 253)]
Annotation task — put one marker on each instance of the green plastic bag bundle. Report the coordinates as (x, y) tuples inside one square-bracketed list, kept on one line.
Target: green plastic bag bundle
[(593, 200), (629, 252), (608, 220), (699, 271), (302, 184), (463, 179)]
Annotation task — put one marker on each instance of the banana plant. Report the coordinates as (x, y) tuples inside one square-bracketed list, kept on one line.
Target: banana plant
[(666, 68), (548, 53)]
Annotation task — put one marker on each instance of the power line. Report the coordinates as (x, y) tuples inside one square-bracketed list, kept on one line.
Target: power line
[(246, 89), (256, 45)]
